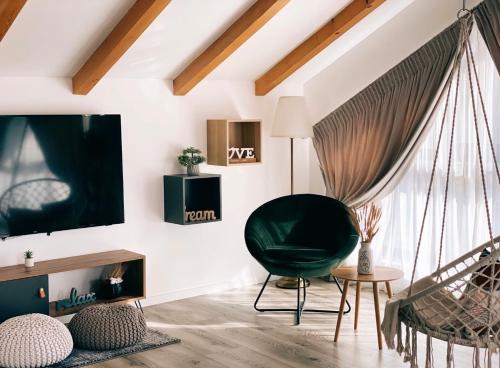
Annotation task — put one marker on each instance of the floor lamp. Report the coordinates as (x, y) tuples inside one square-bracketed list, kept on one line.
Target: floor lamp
[(291, 120)]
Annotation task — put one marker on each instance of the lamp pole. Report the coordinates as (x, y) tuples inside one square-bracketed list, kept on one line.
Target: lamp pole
[(291, 165), (291, 282), (291, 120)]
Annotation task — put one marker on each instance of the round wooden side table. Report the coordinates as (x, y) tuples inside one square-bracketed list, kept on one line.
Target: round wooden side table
[(350, 274)]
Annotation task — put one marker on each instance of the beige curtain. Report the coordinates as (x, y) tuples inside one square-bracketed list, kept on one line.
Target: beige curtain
[(366, 144), (487, 15)]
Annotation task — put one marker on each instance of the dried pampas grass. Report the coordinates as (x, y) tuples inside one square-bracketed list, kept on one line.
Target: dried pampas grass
[(117, 271), (368, 218)]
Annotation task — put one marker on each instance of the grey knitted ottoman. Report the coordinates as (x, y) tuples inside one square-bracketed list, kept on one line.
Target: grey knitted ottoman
[(33, 340), (107, 327)]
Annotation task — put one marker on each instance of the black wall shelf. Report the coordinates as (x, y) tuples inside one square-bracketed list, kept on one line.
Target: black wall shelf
[(196, 195)]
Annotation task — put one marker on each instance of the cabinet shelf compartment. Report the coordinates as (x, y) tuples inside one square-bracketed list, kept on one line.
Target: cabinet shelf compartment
[(223, 135), (190, 200)]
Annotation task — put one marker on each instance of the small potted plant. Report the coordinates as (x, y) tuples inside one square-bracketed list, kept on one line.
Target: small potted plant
[(191, 157), (367, 218), (29, 260)]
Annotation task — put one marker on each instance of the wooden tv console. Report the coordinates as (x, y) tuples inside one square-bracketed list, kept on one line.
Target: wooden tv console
[(20, 287)]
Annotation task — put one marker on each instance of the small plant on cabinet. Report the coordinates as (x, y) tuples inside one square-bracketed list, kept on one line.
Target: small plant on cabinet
[(191, 157), (29, 260)]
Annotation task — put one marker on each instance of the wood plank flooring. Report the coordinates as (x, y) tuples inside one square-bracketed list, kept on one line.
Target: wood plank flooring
[(222, 330)]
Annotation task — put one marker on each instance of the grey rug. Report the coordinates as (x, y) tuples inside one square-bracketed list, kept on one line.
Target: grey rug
[(79, 358)]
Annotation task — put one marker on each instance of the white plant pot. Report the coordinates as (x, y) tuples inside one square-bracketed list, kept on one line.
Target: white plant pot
[(29, 262), (365, 259), (193, 170)]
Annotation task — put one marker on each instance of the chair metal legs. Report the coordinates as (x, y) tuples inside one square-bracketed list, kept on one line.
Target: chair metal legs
[(300, 301)]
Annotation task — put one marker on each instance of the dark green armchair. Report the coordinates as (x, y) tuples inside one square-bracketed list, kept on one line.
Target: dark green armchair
[(300, 236)]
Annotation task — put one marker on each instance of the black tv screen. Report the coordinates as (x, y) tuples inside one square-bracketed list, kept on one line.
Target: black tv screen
[(59, 172)]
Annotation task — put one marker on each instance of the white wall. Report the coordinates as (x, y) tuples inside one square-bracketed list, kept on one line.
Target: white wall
[(181, 260), (371, 58)]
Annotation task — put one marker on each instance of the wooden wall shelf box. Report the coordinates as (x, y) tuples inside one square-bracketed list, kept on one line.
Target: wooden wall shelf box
[(188, 196), (225, 134), (19, 287)]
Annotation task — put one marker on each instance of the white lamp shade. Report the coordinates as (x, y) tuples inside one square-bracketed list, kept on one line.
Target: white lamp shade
[(291, 118)]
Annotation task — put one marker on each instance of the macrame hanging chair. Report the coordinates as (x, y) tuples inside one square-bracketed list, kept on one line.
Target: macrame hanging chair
[(460, 302)]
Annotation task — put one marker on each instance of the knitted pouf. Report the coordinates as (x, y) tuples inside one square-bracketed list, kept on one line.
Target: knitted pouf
[(33, 340), (107, 327)]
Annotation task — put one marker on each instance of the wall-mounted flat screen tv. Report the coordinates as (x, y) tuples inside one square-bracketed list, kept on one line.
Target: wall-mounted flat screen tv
[(59, 172)]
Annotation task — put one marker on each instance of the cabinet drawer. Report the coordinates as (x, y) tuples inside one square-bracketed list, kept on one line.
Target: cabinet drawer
[(19, 297)]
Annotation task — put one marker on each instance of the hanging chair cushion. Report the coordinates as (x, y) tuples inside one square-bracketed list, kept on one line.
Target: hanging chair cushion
[(482, 277), (435, 309), (472, 314)]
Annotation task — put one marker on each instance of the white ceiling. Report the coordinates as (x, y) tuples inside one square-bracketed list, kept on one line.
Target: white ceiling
[(52, 38), (197, 26)]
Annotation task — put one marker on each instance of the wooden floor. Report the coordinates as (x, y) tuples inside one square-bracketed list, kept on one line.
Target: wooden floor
[(223, 330)]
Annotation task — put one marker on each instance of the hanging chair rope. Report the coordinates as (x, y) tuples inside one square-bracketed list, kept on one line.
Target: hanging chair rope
[(478, 146), (485, 116), (450, 154), (464, 32)]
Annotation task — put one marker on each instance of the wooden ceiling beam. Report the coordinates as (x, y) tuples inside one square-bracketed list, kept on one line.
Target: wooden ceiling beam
[(8, 14), (345, 20), (121, 38), (239, 32)]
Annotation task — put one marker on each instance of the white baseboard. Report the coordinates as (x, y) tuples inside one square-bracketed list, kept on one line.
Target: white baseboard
[(197, 291)]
